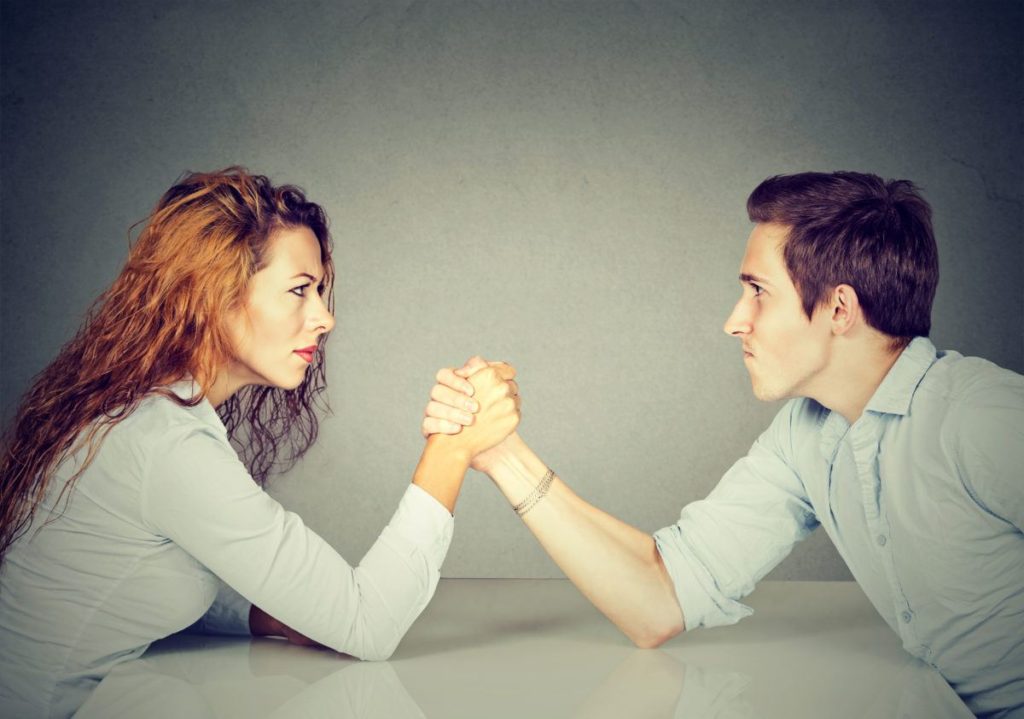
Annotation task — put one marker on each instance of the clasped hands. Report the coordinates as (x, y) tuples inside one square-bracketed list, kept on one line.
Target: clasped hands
[(473, 409)]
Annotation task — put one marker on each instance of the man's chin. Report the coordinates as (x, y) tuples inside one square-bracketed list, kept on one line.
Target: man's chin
[(765, 394)]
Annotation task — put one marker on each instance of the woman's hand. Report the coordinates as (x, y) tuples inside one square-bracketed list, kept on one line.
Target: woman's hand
[(451, 406), (444, 416), (496, 396), (457, 432)]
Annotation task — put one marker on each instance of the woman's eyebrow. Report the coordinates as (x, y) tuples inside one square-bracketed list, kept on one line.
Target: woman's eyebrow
[(306, 274)]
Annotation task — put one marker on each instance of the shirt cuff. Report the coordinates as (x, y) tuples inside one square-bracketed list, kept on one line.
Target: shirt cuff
[(229, 614), (423, 522), (702, 602)]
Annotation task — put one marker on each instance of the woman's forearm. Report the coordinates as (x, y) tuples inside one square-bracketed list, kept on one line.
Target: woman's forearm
[(616, 566), (441, 470)]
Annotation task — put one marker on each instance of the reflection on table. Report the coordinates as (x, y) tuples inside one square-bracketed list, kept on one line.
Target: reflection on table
[(536, 648)]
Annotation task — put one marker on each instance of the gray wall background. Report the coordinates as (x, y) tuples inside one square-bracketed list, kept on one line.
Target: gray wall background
[(560, 185)]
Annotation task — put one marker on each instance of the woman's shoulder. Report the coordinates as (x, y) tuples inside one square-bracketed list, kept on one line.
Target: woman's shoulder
[(163, 415)]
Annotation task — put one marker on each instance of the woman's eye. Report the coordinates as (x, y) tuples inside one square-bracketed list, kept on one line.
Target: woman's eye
[(757, 289), (299, 291)]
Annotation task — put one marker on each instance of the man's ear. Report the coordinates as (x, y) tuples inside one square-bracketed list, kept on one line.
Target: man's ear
[(845, 307)]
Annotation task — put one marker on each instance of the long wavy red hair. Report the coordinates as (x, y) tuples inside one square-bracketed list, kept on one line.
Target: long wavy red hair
[(163, 320)]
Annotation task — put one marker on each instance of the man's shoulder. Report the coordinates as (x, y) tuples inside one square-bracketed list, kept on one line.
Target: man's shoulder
[(964, 381)]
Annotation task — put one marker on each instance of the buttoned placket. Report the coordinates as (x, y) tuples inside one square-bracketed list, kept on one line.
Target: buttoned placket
[(865, 438)]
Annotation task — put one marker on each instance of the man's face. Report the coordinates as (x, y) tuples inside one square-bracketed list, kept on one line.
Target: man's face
[(785, 353)]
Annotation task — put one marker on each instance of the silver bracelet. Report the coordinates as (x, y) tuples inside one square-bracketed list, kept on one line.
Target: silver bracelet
[(536, 495)]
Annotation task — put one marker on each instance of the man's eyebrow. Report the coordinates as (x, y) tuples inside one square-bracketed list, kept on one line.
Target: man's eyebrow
[(746, 277)]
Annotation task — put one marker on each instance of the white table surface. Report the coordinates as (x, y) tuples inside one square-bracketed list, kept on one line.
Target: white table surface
[(537, 648)]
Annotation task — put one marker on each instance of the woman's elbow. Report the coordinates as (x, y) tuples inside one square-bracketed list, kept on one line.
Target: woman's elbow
[(375, 655), (375, 649)]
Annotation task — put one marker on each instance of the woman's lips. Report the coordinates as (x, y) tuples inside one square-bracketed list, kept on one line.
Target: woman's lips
[(306, 355)]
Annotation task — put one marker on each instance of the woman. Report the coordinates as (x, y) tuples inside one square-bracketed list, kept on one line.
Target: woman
[(125, 511)]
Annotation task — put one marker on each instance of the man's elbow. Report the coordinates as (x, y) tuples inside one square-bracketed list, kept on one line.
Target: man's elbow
[(653, 636)]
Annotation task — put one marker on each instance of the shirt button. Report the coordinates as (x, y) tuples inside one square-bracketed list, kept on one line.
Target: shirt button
[(881, 540), (905, 617)]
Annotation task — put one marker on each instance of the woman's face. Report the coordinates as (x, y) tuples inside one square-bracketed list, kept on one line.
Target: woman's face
[(275, 333)]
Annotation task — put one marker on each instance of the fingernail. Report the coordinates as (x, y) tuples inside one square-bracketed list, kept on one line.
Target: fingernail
[(471, 405), (467, 388), (467, 419)]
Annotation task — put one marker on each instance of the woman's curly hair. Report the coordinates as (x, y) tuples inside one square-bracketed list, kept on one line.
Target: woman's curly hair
[(163, 320)]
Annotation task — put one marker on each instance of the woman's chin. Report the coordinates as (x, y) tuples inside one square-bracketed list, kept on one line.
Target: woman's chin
[(293, 383)]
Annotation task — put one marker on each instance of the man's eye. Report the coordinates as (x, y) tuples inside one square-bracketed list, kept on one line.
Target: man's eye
[(299, 291), (758, 289)]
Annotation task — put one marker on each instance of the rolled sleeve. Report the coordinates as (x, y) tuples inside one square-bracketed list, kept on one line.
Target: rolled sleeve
[(722, 545), (703, 604)]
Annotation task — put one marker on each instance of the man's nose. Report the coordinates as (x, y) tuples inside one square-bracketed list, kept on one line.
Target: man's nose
[(737, 323)]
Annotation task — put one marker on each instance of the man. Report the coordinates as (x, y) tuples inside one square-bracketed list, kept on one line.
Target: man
[(909, 458)]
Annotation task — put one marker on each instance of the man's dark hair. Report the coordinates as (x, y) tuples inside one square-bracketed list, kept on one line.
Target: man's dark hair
[(860, 230)]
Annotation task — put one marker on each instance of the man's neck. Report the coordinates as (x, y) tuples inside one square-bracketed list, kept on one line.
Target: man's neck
[(857, 372)]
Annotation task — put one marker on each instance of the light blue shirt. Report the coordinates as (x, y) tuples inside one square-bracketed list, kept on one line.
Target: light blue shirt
[(165, 520), (923, 497)]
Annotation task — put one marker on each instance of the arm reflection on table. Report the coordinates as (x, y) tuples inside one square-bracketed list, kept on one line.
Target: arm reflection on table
[(141, 688), (656, 684), (219, 677), (523, 648)]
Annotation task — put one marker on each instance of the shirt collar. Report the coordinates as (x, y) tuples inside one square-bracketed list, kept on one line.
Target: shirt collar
[(894, 394)]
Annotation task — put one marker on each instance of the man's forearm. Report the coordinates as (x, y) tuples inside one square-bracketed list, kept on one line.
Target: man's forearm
[(616, 566)]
